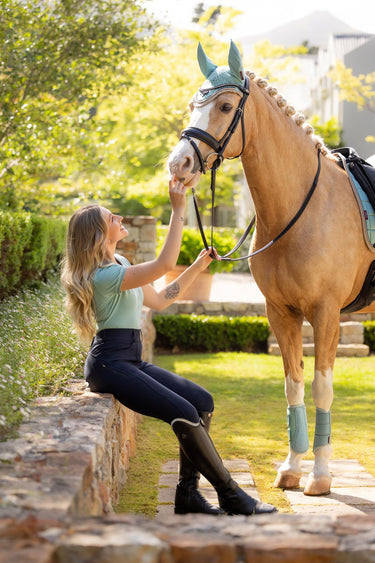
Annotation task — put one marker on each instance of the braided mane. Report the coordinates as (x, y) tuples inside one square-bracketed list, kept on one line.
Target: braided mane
[(298, 118)]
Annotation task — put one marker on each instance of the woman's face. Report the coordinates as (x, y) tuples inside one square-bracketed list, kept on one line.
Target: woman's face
[(116, 230)]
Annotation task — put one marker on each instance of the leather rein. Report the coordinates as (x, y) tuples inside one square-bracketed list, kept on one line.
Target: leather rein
[(219, 147)]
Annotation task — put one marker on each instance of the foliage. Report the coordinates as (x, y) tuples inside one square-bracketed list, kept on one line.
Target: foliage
[(93, 104), (30, 246), (191, 246), (276, 63), (58, 61), (329, 131), (38, 350), (357, 89), (369, 334), (217, 333)]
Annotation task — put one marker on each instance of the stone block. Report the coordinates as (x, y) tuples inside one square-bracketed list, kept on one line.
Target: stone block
[(148, 233)]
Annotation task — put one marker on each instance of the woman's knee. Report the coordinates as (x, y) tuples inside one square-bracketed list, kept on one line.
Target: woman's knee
[(206, 401)]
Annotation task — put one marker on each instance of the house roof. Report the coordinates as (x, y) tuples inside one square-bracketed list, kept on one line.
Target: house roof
[(344, 43)]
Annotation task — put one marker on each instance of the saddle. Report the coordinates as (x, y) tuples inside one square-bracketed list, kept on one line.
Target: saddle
[(364, 174), (362, 171)]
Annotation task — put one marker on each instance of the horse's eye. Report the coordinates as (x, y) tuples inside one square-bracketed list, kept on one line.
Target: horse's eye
[(226, 108)]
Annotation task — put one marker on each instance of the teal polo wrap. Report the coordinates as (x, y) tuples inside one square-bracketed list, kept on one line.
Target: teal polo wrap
[(297, 428), (322, 429)]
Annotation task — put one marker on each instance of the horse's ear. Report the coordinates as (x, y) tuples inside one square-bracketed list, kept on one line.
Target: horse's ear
[(205, 64), (235, 62)]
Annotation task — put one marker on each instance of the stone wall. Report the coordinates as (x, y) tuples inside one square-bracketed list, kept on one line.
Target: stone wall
[(72, 455), (229, 308), (140, 244)]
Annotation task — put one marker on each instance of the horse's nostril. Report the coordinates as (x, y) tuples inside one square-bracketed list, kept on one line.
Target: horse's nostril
[(187, 163)]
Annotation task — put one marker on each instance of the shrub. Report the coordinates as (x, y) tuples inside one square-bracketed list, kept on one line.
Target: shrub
[(369, 334), (29, 247), (39, 352), (206, 333), (192, 244)]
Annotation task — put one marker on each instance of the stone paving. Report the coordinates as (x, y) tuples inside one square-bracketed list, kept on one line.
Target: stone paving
[(239, 469), (352, 490)]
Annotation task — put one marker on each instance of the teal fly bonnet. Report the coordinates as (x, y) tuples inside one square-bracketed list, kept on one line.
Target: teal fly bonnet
[(218, 77)]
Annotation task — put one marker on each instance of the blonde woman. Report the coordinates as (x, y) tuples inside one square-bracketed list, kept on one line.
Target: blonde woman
[(105, 294)]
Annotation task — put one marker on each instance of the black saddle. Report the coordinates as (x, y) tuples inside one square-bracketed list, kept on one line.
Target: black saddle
[(362, 171)]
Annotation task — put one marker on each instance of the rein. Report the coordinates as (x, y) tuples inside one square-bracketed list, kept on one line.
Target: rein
[(219, 147)]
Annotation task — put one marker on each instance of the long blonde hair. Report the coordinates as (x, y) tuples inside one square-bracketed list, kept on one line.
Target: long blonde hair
[(85, 252)]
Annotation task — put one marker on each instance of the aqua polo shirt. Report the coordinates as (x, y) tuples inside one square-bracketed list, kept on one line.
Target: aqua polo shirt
[(115, 308)]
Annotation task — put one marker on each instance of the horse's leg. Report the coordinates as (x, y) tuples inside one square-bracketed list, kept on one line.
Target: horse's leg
[(288, 331), (326, 336)]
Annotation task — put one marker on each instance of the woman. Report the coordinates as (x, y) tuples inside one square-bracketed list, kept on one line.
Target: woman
[(105, 295)]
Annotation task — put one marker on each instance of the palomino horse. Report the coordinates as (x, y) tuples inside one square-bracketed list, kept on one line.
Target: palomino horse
[(318, 267)]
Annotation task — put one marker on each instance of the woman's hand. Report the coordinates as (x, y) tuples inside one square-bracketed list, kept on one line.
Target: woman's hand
[(177, 194), (204, 258)]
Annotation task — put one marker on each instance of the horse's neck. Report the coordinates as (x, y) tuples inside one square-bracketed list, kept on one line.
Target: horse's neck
[(280, 163)]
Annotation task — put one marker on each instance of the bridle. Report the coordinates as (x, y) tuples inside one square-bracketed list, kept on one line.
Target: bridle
[(219, 147)]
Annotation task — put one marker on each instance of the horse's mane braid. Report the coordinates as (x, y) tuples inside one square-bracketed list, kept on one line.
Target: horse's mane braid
[(297, 117)]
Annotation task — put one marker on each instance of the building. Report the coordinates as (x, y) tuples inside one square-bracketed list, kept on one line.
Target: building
[(357, 52)]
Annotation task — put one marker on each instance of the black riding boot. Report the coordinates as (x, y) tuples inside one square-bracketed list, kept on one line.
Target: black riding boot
[(199, 448), (188, 498)]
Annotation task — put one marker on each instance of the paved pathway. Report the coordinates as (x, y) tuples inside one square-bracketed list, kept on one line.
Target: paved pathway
[(352, 491), (228, 286), (239, 469)]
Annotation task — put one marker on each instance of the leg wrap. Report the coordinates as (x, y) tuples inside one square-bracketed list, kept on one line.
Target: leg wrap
[(322, 428), (297, 428)]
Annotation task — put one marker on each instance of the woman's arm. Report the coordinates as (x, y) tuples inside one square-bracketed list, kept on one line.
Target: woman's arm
[(143, 274), (159, 300)]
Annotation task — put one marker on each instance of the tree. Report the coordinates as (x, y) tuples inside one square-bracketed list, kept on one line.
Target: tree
[(357, 89), (329, 131), (57, 61)]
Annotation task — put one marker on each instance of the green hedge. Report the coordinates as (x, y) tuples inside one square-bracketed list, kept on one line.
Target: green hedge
[(221, 333), (369, 334), (29, 247), (191, 245), (206, 333)]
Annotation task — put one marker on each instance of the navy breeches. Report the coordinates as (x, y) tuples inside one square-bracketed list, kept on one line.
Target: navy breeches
[(114, 365)]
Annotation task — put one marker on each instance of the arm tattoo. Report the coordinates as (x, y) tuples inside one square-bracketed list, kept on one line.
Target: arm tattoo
[(172, 291)]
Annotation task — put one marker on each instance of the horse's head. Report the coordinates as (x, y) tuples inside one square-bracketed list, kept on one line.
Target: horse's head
[(216, 108)]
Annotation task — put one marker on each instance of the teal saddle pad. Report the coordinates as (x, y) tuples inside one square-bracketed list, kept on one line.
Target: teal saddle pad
[(368, 210)]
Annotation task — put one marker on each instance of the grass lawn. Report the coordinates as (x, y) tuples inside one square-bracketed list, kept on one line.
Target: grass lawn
[(250, 420)]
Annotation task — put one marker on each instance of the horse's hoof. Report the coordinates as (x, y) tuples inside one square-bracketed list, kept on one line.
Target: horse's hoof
[(317, 486), (287, 480)]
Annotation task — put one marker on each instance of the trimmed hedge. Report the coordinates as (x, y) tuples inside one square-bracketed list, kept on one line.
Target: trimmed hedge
[(212, 334), (30, 246), (369, 334)]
